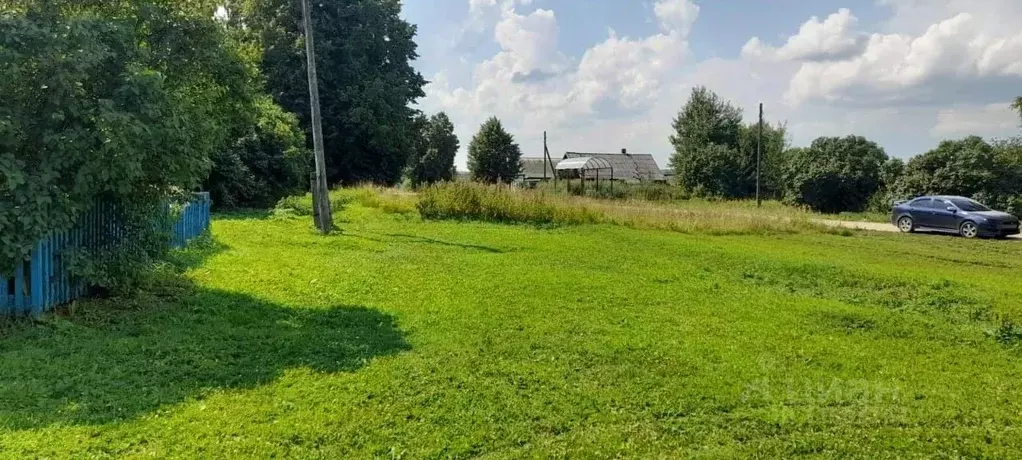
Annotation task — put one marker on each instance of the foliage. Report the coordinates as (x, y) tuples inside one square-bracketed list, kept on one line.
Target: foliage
[(268, 162), (453, 339), (126, 107), (972, 167), (645, 191), (364, 51), (882, 200), (1017, 105), (468, 201), (707, 155), (493, 155), (432, 159), (775, 142), (834, 174), (963, 167)]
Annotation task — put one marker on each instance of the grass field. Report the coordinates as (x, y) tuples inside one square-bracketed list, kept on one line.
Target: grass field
[(400, 338)]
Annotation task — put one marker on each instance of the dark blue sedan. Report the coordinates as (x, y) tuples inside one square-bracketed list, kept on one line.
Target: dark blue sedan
[(955, 214)]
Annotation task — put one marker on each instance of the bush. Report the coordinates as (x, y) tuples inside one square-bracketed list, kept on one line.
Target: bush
[(124, 107), (470, 201), (834, 174), (268, 162)]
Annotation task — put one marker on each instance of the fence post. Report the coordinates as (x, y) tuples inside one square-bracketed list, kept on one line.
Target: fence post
[(4, 301), (19, 287), (36, 279)]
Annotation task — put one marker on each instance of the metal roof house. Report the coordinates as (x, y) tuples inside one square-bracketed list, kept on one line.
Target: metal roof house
[(628, 167)]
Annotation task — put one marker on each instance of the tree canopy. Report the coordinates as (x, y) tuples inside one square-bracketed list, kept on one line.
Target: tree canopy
[(706, 140), (432, 159), (364, 51), (493, 155), (127, 106), (834, 174), (715, 154)]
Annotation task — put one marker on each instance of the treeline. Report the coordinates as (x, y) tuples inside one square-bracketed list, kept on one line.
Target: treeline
[(715, 156)]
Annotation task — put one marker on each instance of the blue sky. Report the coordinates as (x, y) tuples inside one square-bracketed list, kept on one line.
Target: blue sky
[(606, 75)]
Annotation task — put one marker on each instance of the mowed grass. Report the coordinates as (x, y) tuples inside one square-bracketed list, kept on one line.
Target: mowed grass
[(399, 338)]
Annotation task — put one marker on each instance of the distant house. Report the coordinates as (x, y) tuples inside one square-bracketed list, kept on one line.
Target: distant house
[(628, 167)]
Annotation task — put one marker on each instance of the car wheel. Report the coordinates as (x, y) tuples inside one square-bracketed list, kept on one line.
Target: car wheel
[(969, 229), (906, 225)]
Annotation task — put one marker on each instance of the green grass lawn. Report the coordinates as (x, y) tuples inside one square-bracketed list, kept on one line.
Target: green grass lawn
[(410, 339)]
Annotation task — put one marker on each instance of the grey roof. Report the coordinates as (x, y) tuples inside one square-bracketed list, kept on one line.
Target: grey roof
[(583, 163), (532, 168), (629, 167)]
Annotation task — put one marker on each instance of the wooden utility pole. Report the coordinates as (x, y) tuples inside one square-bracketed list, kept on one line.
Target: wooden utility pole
[(320, 191), (548, 159), (759, 155), (546, 156)]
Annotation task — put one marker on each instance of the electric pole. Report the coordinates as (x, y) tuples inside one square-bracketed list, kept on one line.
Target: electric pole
[(759, 155), (320, 191)]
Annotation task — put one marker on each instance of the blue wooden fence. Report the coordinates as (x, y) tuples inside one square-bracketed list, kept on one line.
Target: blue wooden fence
[(43, 282)]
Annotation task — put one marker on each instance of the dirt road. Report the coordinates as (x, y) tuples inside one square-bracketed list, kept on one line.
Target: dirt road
[(871, 226)]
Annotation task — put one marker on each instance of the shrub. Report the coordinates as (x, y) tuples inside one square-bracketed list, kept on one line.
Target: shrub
[(469, 201), (124, 107), (269, 161), (834, 174)]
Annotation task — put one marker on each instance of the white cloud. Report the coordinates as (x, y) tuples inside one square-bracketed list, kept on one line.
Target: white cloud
[(833, 38), (533, 87), (676, 15), (988, 120), (897, 67)]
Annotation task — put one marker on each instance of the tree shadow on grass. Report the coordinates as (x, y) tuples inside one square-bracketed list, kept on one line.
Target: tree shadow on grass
[(414, 239), (118, 359)]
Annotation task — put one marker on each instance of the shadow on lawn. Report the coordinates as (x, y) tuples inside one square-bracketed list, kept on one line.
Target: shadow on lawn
[(118, 359), (414, 239)]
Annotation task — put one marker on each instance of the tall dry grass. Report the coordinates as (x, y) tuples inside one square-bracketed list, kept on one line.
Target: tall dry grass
[(466, 201)]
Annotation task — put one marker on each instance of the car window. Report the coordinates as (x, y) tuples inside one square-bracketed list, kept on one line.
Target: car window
[(969, 205), (921, 203), (941, 205)]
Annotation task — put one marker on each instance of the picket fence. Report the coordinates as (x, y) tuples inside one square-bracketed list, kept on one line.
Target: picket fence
[(43, 282)]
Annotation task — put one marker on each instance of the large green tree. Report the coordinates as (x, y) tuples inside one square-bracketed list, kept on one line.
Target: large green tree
[(834, 174), (775, 142), (432, 159), (707, 155), (117, 101), (1017, 105), (364, 51), (493, 155), (972, 167)]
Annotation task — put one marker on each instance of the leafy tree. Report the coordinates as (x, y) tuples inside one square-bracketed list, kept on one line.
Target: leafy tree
[(991, 173), (493, 155), (122, 102), (707, 145), (775, 142), (1017, 105), (268, 162), (834, 174), (432, 159), (961, 167), (364, 51)]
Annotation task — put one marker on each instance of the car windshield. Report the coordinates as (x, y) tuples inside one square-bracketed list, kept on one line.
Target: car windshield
[(969, 205)]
